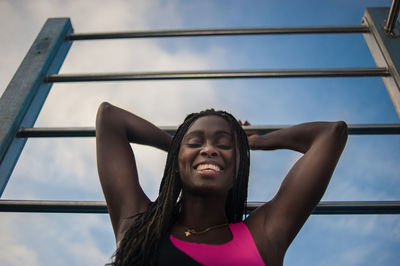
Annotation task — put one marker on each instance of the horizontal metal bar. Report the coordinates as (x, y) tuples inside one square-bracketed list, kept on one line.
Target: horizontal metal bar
[(300, 73), (327, 207), (51, 132), (348, 207), (53, 206), (218, 32), (374, 129), (54, 132)]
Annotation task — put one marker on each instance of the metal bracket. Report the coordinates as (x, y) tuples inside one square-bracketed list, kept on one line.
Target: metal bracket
[(395, 33)]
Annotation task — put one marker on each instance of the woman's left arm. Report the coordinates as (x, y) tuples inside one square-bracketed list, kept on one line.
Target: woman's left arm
[(322, 143)]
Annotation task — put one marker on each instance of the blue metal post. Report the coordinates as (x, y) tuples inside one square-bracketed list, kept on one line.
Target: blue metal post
[(23, 99)]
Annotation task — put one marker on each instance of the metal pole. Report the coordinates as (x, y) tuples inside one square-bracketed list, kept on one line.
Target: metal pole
[(217, 32), (21, 102), (328, 207), (348, 207), (385, 50), (392, 18), (52, 132), (302, 73)]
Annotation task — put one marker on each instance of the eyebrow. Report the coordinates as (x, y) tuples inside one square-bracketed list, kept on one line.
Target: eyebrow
[(201, 132)]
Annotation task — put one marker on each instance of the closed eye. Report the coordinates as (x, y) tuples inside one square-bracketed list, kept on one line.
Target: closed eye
[(225, 147), (194, 145)]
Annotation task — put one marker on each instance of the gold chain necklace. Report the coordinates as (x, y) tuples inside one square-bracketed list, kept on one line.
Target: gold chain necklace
[(191, 231)]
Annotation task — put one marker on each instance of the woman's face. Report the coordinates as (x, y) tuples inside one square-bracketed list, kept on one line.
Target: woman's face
[(206, 162)]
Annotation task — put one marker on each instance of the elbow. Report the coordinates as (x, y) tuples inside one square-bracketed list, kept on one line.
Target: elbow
[(104, 108), (340, 128), (340, 132), (104, 114)]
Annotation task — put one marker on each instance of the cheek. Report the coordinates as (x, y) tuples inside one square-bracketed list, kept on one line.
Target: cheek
[(183, 160), (230, 158)]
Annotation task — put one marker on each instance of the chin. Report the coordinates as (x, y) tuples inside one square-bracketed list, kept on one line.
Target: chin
[(206, 190)]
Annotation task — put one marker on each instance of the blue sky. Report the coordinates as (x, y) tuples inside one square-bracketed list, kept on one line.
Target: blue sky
[(65, 169)]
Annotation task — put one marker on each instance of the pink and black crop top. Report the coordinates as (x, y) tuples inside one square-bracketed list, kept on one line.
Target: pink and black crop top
[(241, 250)]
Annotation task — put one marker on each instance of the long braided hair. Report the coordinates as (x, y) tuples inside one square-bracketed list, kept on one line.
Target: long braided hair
[(140, 243)]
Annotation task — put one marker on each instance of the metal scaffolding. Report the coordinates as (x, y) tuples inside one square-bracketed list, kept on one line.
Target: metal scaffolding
[(27, 91)]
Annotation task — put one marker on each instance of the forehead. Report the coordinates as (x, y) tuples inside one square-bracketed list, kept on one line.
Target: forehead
[(210, 123)]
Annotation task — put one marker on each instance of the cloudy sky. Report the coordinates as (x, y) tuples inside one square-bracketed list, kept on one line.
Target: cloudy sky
[(65, 169)]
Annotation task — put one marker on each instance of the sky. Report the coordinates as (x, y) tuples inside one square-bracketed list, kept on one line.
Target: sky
[(65, 169)]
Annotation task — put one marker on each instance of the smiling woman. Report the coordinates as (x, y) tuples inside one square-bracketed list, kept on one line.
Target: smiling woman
[(198, 215), (212, 171)]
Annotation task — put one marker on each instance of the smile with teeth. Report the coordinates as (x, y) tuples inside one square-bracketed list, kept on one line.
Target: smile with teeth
[(208, 166)]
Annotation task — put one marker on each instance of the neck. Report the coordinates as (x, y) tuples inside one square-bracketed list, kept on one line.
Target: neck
[(201, 212)]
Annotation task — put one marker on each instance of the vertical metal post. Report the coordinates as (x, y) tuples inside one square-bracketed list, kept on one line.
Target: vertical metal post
[(23, 99), (384, 49), (392, 18)]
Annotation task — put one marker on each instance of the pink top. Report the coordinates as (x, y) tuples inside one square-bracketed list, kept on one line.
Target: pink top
[(241, 250)]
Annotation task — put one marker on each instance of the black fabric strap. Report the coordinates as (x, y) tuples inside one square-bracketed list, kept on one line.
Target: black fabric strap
[(169, 255)]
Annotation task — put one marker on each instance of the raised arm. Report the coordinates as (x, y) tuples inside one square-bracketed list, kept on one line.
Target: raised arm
[(280, 220), (115, 129)]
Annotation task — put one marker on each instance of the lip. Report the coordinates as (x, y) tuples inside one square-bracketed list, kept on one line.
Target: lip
[(208, 162)]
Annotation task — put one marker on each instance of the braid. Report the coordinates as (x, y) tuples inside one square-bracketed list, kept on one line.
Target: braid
[(140, 243)]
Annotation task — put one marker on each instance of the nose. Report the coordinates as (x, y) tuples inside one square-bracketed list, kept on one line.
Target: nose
[(209, 150)]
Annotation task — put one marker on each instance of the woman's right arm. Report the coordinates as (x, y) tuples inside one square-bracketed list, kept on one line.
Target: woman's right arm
[(115, 129)]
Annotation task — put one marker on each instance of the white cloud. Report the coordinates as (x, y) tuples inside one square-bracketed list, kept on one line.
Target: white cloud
[(367, 170), (46, 239), (354, 256), (15, 255), (12, 251)]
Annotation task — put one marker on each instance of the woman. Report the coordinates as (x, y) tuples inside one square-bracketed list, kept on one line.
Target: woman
[(198, 216)]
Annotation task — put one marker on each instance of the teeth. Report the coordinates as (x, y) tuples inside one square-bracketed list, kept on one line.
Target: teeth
[(208, 166)]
